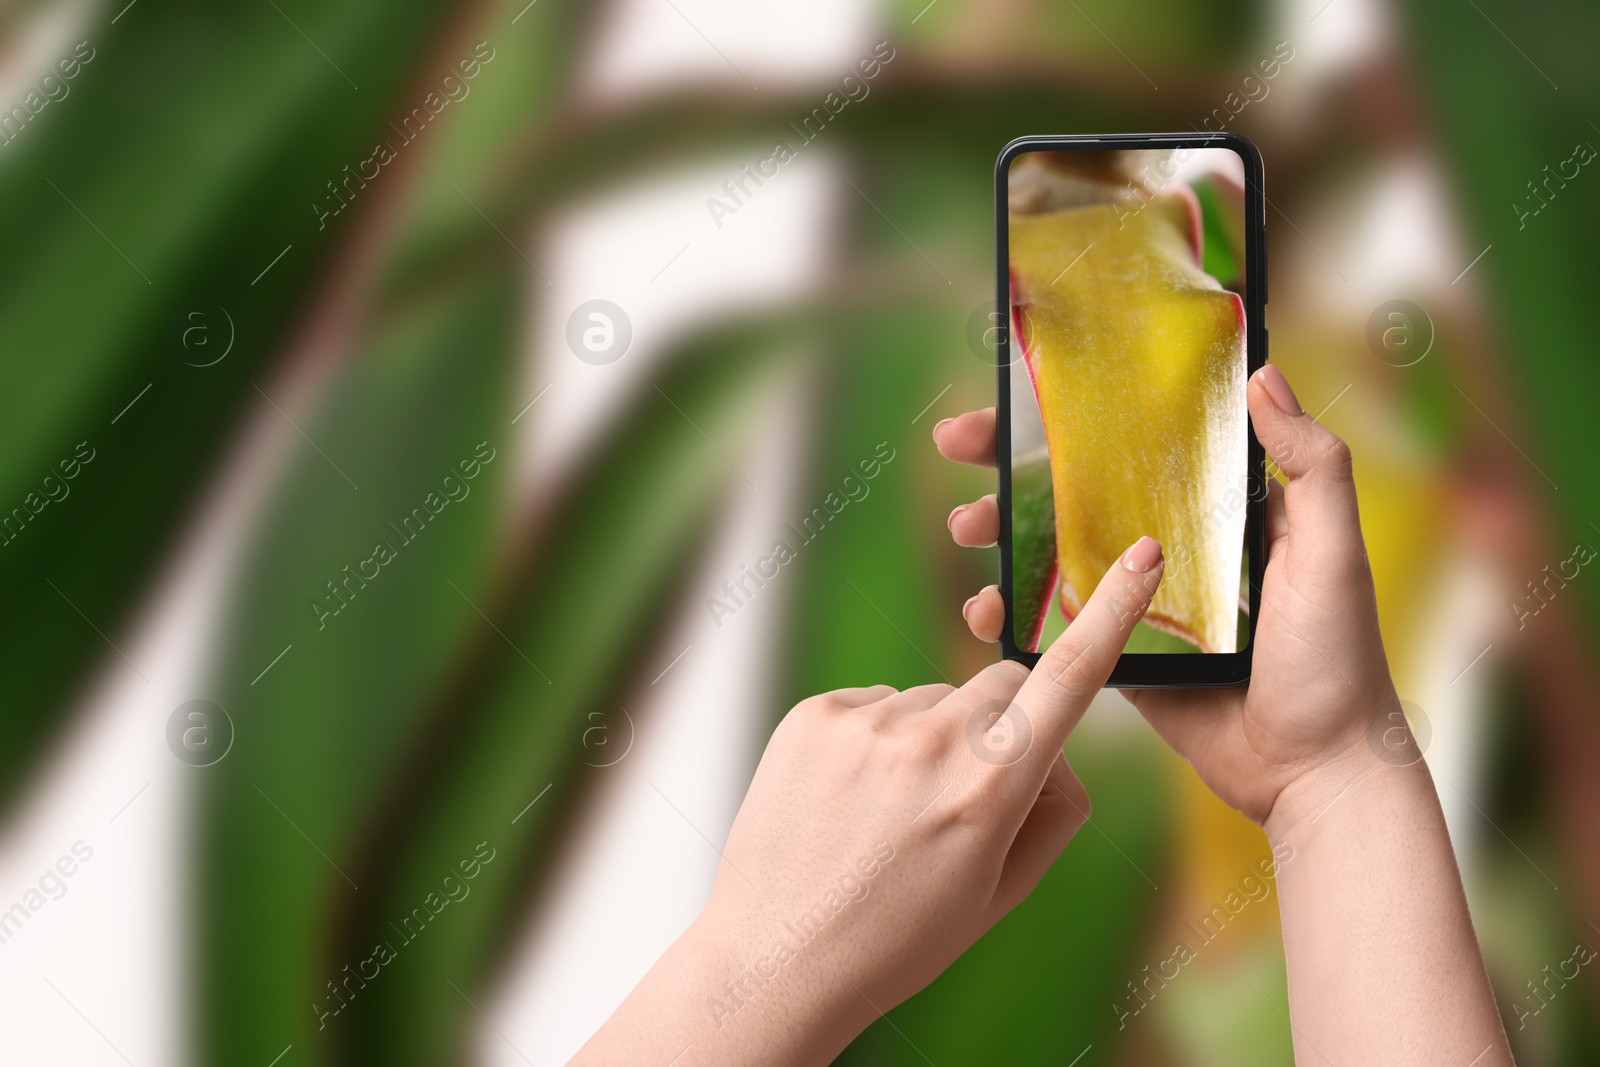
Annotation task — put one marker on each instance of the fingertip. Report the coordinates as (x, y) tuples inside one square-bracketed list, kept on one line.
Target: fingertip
[(1297, 444), (976, 525), (985, 613), (1282, 433), (1278, 390), (967, 438), (1143, 555)]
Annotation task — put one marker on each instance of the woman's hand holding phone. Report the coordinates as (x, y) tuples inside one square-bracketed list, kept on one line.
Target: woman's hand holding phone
[(1319, 673), (1375, 923)]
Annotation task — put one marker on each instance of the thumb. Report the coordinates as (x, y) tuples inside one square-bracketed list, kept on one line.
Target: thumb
[(1320, 499)]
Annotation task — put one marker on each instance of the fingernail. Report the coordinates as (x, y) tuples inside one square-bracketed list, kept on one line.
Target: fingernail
[(951, 521), (967, 607), (1145, 553), (941, 424), (1277, 387)]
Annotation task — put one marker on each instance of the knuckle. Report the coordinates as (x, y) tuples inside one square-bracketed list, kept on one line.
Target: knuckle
[(812, 707), (1007, 674), (1075, 791), (867, 724), (922, 697), (1335, 460), (1071, 789), (999, 733), (857, 740), (1080, 809), (1068, 671), (927, 741)]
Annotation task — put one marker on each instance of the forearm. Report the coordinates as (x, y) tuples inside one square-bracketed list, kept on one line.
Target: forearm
[(706, 1002), (1383, 963)]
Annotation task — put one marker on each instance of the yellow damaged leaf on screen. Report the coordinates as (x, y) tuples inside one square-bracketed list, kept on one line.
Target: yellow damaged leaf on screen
[(1137, 357)]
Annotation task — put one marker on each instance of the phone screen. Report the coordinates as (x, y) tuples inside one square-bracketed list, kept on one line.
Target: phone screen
[(1125, 367)]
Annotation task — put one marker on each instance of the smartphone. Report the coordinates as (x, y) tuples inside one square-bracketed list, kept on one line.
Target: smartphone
[(1133, 270)]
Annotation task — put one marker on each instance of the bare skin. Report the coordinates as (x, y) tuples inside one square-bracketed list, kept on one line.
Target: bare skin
[(885, 832)]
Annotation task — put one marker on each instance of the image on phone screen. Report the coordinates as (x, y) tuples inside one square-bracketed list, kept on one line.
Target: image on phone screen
[(1125, 369)]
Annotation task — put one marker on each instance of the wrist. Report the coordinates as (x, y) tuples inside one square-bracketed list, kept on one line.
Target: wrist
[(1377, 737), (1358, 783), (760, 995)]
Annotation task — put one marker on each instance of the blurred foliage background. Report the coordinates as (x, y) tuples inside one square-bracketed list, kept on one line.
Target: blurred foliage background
[(273, 365)]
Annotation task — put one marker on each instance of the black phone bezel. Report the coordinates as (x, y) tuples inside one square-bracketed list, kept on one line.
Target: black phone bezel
[(1144, 670)]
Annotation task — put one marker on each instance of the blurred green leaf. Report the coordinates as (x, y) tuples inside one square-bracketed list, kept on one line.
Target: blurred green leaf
[(185, 159), (332, 729), (322, 733), (1507, 112), (870, 606), (503, 731)]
